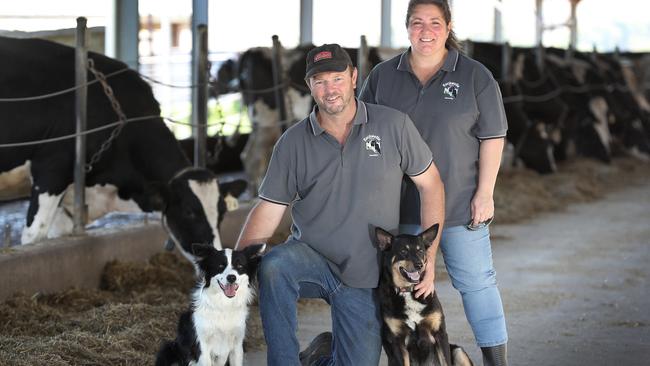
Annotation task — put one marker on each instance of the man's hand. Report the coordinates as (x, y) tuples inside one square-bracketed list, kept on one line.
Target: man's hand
[(426, 285)]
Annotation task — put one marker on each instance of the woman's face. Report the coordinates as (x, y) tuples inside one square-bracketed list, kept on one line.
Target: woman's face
[(427, 30)]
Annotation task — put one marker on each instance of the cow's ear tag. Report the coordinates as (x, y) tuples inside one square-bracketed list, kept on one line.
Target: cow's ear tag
[(231, 202)]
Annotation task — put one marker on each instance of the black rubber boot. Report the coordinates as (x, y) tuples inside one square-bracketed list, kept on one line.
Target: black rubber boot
[(495, 356), (321, 346)]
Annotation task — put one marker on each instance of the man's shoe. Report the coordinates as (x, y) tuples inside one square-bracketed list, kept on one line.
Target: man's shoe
[(321, 346), (495, 356)]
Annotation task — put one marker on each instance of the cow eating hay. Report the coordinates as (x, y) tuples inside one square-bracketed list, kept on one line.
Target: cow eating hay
[(141, 168)]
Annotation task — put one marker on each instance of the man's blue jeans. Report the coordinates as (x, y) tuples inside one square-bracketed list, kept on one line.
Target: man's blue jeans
[(292, 270), (468, 258)]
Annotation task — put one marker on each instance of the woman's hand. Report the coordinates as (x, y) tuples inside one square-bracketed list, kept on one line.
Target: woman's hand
[(482, 206)]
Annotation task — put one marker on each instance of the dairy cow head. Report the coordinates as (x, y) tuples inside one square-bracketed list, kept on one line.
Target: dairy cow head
[(195, 204)]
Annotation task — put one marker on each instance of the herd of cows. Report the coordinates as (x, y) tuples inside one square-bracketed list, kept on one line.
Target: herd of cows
[(591, 104)]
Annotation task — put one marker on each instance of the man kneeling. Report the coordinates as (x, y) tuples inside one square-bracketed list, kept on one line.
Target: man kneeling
[(340, 169)]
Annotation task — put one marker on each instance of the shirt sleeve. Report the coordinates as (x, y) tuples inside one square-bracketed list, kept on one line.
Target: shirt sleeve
[(279, 184), (492, 122), (416, 155)]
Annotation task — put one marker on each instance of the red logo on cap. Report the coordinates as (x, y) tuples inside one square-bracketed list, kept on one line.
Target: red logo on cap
[(321, 55)]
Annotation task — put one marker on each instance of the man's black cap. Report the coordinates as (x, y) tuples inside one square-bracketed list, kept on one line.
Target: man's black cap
[(328, 57)]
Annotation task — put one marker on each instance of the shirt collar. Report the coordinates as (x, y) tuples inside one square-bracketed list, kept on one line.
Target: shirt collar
[(449, 65), (451, 61), (360, 117)]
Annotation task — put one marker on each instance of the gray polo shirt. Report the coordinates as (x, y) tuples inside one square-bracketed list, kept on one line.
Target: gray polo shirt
[(338, 194), (460, 106)]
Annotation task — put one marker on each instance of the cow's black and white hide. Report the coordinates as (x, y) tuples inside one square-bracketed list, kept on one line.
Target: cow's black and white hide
[(254, 74), (543, 101), (222, 152), (630, 122), (530, 137), (585, 131), (143, 170)]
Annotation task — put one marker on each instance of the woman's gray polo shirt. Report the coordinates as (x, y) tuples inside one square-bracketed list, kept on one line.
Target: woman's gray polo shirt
[(338, 194), (460, 106)]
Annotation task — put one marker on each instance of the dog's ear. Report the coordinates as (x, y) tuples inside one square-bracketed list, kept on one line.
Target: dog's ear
[(429, 234), (384, 238), (202, 250), (254, 250)]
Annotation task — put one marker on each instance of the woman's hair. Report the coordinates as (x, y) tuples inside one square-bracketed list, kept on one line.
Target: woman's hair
[(443, 5)]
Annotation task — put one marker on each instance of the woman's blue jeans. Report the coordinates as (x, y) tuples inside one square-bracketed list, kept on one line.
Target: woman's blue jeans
[(468, 258), (292, 270)]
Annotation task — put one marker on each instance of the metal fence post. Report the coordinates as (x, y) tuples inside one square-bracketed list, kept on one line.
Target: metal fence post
[(278, 81), (362, 63), (81, 97), (200, 96)]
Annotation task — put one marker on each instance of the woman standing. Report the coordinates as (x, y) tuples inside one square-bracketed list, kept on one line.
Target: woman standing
[(457, 107)]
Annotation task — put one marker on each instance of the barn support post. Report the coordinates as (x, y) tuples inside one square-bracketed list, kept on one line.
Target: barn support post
[(122, 32), (573, 27), (81, 97), (200, 95), (386, 35), (278, 81), (362, 62), (498, 23), (306, 21), (539, 32), (506, 51)]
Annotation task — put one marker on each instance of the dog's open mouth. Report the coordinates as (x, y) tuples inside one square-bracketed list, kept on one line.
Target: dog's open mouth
[(229, 289), (412, 277)]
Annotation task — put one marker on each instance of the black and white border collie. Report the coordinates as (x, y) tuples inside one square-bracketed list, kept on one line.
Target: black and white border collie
[(212, 331)]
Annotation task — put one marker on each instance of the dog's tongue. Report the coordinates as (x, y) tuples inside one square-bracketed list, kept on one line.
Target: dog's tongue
[(229, 289), (413, 276)]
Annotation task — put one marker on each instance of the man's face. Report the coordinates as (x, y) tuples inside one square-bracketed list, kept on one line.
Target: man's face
[(333, 91)]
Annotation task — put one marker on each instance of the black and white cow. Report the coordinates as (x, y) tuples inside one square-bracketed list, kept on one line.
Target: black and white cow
[(530, 136), (251, 75), (143, 170), (585, 129), (630, 110), (222, 152), (573, 106)]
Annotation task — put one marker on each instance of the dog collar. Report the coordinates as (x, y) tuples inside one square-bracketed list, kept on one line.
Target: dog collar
[(400, 290)]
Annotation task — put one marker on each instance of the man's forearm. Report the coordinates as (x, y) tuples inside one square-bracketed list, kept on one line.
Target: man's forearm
[(260, 224), (432, 202)]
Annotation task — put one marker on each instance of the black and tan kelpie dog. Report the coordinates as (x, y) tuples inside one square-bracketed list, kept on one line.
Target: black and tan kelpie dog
[(413, 331)]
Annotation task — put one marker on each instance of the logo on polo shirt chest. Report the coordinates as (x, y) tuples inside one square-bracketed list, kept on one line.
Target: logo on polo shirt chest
[(373, 145), (450, 90)]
